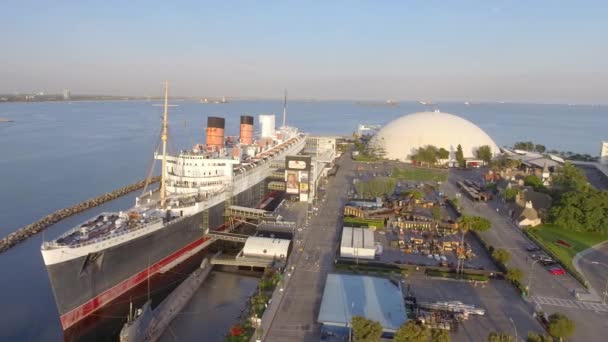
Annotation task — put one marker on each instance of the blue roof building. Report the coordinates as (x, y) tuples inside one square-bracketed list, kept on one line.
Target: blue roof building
[(375, 298)]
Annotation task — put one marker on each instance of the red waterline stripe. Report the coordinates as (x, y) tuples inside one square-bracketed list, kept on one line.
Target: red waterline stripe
[(84, 310)]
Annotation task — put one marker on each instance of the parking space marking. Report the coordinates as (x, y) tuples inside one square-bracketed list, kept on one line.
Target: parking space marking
[(567, 303)]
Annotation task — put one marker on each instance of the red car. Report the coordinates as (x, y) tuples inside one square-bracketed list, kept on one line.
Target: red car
[(557, 271)]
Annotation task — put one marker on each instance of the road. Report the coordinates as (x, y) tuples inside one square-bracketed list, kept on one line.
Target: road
[(548, 293), (297, 311), (594, 265)]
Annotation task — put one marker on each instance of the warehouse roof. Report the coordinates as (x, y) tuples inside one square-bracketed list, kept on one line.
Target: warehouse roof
[(357, 238), (261, 246), (374, 298)]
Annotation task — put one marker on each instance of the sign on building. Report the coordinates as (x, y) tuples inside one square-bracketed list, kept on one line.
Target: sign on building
[(297, 176)]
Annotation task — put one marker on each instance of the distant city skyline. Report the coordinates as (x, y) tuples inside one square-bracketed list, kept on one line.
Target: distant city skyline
[(478, 51)]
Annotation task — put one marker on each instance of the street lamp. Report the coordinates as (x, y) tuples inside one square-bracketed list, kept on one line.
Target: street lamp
[(514, 327), (530, 276), (606, 287)]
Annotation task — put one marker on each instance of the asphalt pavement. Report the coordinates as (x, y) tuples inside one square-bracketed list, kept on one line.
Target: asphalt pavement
[(505, 309), (297, 311)]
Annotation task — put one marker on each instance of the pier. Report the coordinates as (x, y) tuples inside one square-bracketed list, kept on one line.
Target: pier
[(151, 325), (23, 233)]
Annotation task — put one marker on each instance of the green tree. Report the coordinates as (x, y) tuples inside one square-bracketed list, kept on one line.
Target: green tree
[(426, 154), (460, 156), (540, 148), (415, 194), (510, 194), (569, 178), (560, 325), (412, 332), (440, 335), (366, 330), (484, 153), (436, 212), (500, 337), (524, 145), (514, 275), (377, 149), (476, 223), (534, 337), (501, 255), (581, 211), (535, 182), (443, 153)]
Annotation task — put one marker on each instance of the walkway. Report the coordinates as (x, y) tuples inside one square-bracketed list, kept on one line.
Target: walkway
[(567, 303), (294, 316)]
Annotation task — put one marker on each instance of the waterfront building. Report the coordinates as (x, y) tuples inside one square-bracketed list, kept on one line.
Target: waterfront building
[(267, 248), (604, 153), (367, 130), (357, 243), (401, 138), (375, 298), (66, 95)]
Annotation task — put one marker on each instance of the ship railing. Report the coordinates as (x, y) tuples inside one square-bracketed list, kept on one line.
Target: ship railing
[(76, 228), (110, 236)]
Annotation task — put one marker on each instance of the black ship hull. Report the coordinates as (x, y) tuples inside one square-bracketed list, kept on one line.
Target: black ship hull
[(85, 284)]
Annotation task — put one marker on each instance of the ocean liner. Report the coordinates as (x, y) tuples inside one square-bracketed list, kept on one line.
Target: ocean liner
[(95, 262)]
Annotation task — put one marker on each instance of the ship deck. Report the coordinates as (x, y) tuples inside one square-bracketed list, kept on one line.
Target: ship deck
[(103, 226)]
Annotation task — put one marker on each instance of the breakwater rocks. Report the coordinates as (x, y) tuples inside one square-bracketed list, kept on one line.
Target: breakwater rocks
[(34, 228)]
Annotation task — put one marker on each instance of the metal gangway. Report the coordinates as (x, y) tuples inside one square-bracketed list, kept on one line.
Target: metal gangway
[(453, 306), (227, 236), (246, 212), (277, 227), (241, 261)]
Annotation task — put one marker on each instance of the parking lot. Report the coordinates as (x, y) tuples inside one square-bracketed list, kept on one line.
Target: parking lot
[(505, 310)]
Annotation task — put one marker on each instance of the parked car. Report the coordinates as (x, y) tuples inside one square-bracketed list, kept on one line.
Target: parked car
[(533, 248), (548, 262), (557, 271)]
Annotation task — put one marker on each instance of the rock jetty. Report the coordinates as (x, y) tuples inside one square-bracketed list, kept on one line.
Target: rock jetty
[(34, 228)]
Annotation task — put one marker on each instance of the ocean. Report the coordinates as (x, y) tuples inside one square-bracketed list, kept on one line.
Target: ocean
[(56, 154)]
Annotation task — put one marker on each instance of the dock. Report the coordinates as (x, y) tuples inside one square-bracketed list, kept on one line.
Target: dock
[(150, 325)]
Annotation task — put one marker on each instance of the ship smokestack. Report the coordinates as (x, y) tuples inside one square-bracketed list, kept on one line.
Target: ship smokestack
[(215, 132), (246, 130)]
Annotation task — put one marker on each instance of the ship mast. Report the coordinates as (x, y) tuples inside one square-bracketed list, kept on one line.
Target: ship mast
[(284, 107), (163, 137)]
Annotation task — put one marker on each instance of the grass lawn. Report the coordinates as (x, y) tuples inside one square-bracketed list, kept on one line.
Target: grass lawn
[(420, 174), (476, 277), (549, 234), (361, 222)]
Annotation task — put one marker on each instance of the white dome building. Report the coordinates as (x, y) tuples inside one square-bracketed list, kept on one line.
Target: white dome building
[(402, 137)]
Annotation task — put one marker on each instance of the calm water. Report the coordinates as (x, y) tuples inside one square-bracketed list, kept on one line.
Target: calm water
[(58, 154)]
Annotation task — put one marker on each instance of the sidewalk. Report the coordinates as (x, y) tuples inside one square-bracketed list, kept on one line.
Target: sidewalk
[(592, 296)]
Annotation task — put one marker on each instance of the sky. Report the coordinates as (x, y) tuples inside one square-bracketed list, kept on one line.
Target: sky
[(524, 51)]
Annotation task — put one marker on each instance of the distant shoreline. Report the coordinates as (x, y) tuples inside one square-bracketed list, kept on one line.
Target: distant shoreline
[(5, 120)]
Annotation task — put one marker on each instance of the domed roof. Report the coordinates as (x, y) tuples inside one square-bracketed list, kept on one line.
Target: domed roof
[(402, 137)]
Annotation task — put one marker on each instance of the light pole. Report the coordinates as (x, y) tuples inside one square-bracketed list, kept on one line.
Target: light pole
[(514, 327), (606, 287), (530, 276)]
